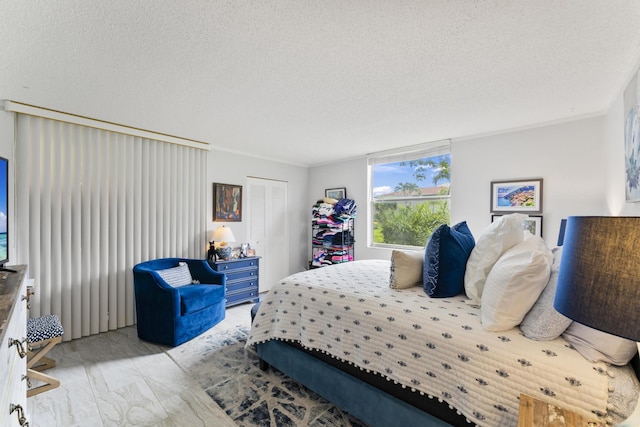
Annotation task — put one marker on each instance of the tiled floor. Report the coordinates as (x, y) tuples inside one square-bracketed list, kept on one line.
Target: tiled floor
[(115, 379)]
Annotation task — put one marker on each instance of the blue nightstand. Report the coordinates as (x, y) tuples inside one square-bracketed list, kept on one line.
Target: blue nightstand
[(242, 279)]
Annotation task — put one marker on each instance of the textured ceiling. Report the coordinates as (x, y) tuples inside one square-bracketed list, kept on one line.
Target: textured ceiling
[(310, 82)]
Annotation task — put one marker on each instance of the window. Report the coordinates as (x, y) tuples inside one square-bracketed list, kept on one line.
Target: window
[(409, 192)]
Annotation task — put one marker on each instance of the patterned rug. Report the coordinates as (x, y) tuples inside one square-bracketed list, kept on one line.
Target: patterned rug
[(230, 375)]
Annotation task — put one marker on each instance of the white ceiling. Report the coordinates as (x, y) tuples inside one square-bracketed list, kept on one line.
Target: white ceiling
[(309, 82)]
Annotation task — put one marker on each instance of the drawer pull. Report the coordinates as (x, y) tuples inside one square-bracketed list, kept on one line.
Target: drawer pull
[(20, 346), (28, 299), (21, 419)]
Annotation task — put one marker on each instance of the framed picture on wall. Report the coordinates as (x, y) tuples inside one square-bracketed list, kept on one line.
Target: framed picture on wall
[(632, 140), (336, 193), (227, 202), (532, 224), (524, 196)]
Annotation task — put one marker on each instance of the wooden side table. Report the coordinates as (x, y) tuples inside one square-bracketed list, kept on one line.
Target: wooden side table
[(536, 413)]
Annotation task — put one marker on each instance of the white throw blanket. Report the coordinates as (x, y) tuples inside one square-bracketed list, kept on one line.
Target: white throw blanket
[(436, 347)]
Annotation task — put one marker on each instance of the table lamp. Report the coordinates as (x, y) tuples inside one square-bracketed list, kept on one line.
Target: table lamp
[(223, 235), (599, 278)]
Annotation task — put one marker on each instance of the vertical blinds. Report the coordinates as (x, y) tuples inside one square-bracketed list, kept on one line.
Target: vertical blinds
[(92, 203)]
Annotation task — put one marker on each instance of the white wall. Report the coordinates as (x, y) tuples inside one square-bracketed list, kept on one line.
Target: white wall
[(568, 156), (231, 168)]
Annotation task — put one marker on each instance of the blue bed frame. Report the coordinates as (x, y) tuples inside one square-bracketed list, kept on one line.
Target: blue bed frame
[(362, 400)]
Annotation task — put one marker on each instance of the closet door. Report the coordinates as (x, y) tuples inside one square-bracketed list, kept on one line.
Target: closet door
[(268, 228)]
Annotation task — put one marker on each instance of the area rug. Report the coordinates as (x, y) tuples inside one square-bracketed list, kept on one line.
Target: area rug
[(230, 375)]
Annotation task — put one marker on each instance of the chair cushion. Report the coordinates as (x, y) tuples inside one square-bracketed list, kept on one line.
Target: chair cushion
[(44, 328), (197, 297)]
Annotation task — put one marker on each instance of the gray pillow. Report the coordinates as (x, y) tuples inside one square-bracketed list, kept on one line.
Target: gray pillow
[(177, 276), (543, 322)]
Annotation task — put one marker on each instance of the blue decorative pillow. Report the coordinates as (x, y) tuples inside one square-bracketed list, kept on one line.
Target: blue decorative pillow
[(445, 260)]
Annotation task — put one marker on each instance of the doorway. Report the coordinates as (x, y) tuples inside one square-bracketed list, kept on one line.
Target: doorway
[(268, 228)]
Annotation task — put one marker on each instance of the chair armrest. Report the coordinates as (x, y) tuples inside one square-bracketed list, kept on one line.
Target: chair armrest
[(152, 290), (202, 272)]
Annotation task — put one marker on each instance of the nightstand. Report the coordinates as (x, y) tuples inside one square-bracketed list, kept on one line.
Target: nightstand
[(536, 413), (242, 278)]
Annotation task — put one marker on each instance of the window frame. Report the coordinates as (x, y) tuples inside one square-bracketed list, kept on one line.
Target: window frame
[(415, 152)]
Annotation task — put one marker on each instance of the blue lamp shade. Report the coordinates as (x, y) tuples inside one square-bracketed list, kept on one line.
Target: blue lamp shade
[(599, 278)]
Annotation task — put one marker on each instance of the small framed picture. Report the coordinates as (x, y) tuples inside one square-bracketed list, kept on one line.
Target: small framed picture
[(251, 252), (336, 193), (524, 196), (533, 224), (227, 202)]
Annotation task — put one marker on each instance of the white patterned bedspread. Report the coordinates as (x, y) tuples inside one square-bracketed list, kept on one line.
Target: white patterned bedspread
[(434, 346)]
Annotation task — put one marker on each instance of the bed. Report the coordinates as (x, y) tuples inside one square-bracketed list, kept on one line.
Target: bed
[(399, 357)]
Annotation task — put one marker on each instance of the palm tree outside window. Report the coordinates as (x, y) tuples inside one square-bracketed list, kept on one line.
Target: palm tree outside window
[(409, 194)]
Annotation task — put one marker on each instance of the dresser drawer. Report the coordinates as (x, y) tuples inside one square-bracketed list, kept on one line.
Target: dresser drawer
[(13, 368), (241, 285), (225, 266), (242, 296), (244, 274)]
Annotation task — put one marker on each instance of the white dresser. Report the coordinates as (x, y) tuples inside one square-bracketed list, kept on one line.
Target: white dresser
[(13, 331)]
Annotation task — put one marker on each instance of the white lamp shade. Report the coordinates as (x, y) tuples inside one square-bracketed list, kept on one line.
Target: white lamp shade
[(223, 234)]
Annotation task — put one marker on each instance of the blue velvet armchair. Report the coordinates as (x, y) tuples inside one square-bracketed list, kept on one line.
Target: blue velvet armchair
[(169, 307)]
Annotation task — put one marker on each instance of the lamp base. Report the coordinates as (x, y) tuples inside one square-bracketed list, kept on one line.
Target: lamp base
[(224, 252)]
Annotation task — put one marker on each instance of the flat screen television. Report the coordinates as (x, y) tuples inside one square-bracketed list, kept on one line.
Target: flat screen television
[(4, 212)]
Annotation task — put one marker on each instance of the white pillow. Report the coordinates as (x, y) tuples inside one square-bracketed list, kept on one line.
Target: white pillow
[(501, 235), (598, 346), (543, 322), (406, 269), (515, 283), (177, 276)]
